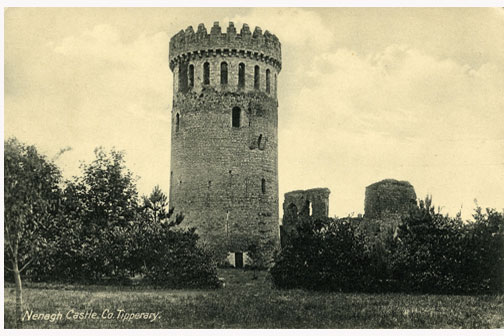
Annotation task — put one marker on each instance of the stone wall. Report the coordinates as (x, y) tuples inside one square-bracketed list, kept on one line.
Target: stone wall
[(311, 202), (316, 198), (386, 202), (388, 197)]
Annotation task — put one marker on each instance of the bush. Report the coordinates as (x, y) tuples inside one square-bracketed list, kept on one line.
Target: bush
[(428, 253), (104, 233), (484, 257), (439, 254), (324, 255), (171, 258)]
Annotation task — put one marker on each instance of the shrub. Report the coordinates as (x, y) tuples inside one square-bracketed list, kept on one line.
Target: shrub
[(439, 254), (484, 252), (104, 233), (428, 253), (171, 258), (324, 255)]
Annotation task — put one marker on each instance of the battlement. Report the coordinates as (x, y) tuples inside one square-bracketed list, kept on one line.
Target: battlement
[(188, 44)]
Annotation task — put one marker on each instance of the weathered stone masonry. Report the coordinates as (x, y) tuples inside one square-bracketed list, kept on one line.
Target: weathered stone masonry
[(224, 168), (312, 202), (386, 203), (388, 197)]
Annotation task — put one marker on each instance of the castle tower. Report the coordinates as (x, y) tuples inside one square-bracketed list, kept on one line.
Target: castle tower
[(224, 149)]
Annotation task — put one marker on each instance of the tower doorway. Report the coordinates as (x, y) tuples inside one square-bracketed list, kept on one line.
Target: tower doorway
[(239, 260)]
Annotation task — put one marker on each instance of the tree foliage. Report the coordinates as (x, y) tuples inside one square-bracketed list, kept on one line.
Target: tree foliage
[(167, 255), (31, 198), (171, 258), (436, 253), (323, 255), (429, 253), (105, 232)]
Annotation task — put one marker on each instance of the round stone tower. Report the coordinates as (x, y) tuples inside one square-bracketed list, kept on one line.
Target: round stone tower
[(224, 148)]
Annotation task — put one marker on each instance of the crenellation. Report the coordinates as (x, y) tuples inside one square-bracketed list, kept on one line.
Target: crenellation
[(215, 32), (189, 33), (202, 31), (187, 42), (258, 34), (231, 31), (245, 31)]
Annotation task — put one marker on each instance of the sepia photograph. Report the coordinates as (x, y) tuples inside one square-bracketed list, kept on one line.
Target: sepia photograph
[(253, 167)]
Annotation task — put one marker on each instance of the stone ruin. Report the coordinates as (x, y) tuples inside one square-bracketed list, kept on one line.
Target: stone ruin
[(314, 201), (386, 202), (389, 197), (311, 202)]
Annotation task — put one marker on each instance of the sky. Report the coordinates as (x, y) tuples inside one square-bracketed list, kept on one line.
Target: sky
[(364, 94)]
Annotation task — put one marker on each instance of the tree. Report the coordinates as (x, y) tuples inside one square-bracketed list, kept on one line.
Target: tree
[(483, 258), (439, 254), (155, 205), (167, 256), (31, 193), (98, 213), (108, 193)]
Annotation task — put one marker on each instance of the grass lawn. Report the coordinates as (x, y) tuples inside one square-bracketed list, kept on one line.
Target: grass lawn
[(247, 303)]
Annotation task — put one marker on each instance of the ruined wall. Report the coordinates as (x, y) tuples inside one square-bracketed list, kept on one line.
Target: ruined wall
[(311, 202), (388, 198), (224, 177), (318, 198)]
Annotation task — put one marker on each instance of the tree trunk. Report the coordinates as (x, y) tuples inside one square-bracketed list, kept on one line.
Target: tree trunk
[(19, 292)]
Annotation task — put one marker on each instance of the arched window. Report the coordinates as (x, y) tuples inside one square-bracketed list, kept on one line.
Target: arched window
[(259, 141), (275, 84), (191, 76), (241, 76), (177, 122), (267, 81), (236, 114), (206, 73), (223, 73), (263, 186), (182, 77), (256, 77)]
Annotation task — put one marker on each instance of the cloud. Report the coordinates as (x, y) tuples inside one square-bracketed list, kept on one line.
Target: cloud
[(92, 88), (397, 113), (360, 98), (403, 92), (296, 27)]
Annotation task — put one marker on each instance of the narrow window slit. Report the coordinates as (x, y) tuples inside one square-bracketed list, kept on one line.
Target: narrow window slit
[(241, 76), (224, 73), (236, 114), (206, 73)]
